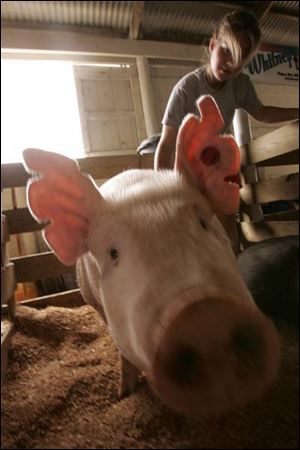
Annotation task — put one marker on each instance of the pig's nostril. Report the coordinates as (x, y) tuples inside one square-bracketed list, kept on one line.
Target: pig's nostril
[(210, 156), (184, 365)]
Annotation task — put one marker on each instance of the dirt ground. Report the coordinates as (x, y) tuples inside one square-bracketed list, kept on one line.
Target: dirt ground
[(61, 392)]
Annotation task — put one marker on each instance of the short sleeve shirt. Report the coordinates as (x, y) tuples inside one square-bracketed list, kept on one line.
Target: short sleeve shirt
[(236, 93)]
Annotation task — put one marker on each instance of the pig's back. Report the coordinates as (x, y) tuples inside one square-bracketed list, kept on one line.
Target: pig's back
[(142, 181)]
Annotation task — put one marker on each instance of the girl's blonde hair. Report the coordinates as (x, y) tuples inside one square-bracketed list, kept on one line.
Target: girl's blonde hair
[(231, 26)]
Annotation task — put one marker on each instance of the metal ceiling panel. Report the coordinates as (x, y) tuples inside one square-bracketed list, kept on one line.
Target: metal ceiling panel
[(160, 20)]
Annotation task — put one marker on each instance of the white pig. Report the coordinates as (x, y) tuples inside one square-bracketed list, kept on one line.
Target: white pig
[(154, 260)]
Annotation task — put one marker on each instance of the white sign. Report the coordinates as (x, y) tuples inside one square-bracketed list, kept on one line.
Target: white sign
[(274, 67)]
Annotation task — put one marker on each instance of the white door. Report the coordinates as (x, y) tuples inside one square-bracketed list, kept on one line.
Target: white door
[(107, 109)]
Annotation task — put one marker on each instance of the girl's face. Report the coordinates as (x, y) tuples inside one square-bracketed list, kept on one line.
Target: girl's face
[(221, 61)]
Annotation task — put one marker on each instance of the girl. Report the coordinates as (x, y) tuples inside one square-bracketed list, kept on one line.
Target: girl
[(233, 44)]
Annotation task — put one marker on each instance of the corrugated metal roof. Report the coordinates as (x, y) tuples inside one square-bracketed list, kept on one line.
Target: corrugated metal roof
[(161, 20), (180, 19), (287, 6), (280, 31), (108, 14)]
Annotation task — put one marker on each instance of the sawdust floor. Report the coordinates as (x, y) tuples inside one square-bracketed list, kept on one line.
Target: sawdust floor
[(61, 385)]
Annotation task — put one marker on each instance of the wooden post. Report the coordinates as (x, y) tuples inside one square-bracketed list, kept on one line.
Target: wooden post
[(147, 94), (243, 136)]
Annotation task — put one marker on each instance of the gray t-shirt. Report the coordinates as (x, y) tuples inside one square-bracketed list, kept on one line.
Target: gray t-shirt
[(236, 93)]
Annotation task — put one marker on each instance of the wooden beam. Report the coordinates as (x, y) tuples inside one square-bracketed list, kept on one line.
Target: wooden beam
[(13, 175), (21, 221), (251, 213), (147, 95), (276, 143), (136, 19), (281, 188), (8, 282), (5, 341), (4, 230), (65, 299), (99, 167), (39, 266), (265, 173), (67, 42), (257, 231), (84, 60), (288, 158), (282, 216)]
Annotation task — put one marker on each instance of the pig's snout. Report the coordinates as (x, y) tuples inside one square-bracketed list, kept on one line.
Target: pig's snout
[(215, 355)]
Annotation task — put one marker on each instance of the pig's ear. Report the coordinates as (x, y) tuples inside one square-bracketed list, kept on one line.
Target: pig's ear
[(211, 116), (183, 157), (208, 160), (60, 194), (193, 130)]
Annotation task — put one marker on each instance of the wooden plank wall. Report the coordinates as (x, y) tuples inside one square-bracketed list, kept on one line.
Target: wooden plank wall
[(278, 148), (45, 265), (8, 284)]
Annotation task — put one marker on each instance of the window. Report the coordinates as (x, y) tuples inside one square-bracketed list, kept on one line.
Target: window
[(39, 109)]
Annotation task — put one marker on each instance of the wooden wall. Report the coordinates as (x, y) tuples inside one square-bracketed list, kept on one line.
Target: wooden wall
[(278, 148), (263, 185)]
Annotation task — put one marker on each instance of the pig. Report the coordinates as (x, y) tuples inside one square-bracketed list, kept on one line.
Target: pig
[(154, 260), (270, 269)]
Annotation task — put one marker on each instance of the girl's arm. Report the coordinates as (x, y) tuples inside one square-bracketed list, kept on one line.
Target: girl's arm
[(165, 152), (275, 114)]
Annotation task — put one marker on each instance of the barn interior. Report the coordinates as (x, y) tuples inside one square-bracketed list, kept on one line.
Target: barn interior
[(91, 80)]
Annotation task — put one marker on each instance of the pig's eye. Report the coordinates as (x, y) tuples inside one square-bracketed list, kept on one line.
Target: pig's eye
[(114, 254), (203, 224)]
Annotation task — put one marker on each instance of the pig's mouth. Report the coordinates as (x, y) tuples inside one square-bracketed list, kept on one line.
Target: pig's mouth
[(234, 180)]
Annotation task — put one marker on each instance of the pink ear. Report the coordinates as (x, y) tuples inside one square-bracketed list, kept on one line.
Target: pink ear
[(210, 114), (48, 162), (61, 197), (209, 161)]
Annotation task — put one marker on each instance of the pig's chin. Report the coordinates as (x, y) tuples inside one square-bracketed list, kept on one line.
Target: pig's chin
[(216, 355), (223, 195), (225, 199)]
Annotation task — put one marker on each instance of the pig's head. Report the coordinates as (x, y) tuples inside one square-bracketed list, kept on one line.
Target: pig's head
[(151, 249)]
